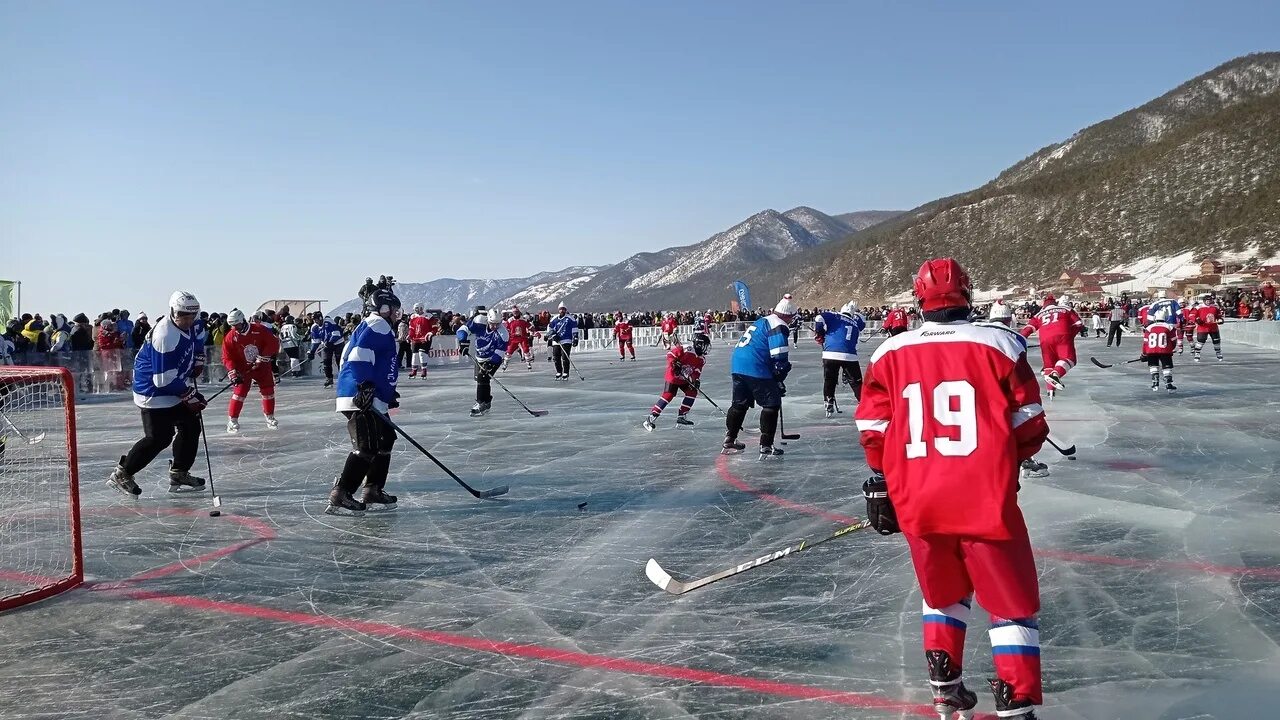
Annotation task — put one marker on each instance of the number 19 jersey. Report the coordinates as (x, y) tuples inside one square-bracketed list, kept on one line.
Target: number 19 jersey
[(948, 412)]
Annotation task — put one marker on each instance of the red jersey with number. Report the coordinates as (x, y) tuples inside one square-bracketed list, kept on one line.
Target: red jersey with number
[(683, 365), (1207, 318), (1159, 338), (948, 412), (422, 327), (1188, 321), (895, 318), (622, 330), (242, 350), (1055, 321), (669, 325), (519, 329)]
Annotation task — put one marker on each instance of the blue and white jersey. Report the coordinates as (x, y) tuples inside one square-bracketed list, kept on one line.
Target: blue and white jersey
[(200, 331), (317, 335), (162, 366), (839, 334), (488, 345), (125, 327), (331, 333), (562, 329), (762, 351), (1168, 305), (371, 355), (464, 333)]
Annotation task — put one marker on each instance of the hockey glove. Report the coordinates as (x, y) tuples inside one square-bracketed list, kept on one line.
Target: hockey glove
[(233, 377), (880, 510), (782, 389), (364, 395), (194, 401), (197, 368), (575, 341), (395, 401), (819, 339)]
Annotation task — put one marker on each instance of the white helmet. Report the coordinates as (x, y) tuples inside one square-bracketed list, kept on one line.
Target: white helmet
[(1064, 300), (235, 317), (495, 317), (1159, 314), (417, 307), (1160, 294), (785, 306), (481, 318), (561, 307), (182, 301), (850, 308)]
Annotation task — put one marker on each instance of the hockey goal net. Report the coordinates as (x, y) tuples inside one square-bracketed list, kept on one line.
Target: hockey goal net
[(40, 551)]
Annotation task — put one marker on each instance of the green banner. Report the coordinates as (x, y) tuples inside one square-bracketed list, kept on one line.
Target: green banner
[(8, 300)]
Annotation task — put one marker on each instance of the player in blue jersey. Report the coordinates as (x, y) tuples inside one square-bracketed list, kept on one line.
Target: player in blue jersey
[(366, 390), (562, 336), (759, 367), (163, 372), (489, 348), (838, 333)]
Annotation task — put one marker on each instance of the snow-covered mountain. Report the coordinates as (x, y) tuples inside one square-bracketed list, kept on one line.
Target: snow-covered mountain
[(461, 295)]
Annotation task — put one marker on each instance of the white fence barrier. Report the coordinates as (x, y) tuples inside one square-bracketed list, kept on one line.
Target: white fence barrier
[(1262, 333)]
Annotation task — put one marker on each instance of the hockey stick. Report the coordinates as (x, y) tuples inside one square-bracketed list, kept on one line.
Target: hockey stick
[(501, 490), (663, 579), (217, 501), (698, 387), (782, 428), (494, 378), (1103, 365), (29, 440), (569, 356), (1069, 451), (225, 388)]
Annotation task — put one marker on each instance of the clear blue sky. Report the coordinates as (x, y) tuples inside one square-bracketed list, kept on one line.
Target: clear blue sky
[(246, 151)]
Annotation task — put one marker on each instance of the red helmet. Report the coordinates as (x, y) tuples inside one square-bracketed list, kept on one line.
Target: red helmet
[(1049, 300), (942, 283)]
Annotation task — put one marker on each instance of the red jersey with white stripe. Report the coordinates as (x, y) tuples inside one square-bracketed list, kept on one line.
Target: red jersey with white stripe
[(1159, 338), (669, 325), (241, 350), (1207, 318), (896, 318), (622, 330), (683, 365), (519, 329), (1054, 321), (948, 412), (422, 327)]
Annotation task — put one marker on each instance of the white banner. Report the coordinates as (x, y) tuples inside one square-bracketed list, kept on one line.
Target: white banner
[(444, 351)]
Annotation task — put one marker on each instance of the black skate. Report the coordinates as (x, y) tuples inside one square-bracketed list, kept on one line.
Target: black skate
[(1033, 469), (831, 408), (1054, 380), (328, 382), (682, 420), (479, 409), (1155, 385), (731, 446), (950, 696), (341, 503), (182, 481), (650, 423), (122, 482), (376, 499), (768, 451), (1006, 706), (1170, 387)]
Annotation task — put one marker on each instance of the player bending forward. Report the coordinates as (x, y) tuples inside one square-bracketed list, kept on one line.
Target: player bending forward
[(248, 354), (366, 390), (947, 413), (838, 336), (1058, 326), (759, 367), (623, 331), (684, 372), (489, 345), (1158, 339), (170, 404)]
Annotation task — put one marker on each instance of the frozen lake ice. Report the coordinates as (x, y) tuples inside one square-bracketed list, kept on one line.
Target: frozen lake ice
[(1158, 549)]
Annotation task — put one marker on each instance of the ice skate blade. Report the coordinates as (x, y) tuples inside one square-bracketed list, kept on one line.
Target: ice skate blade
[(379, 507), (121, 489), (185, 489), (339, 510), (951, 713)]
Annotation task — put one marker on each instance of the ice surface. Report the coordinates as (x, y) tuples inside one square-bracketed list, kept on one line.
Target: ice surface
[(1159, 552)]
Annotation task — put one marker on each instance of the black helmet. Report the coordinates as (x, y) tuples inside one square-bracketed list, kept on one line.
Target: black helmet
[(701, 343), (385, 301)]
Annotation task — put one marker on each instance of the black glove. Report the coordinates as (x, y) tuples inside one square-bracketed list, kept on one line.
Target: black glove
[(880, 510), (697, 384), (575, 341), (395, 401), (364, 395), (197, 369), (233, 377), (782, 389), (194, 401)]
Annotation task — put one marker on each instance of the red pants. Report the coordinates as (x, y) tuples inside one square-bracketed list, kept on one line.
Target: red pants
[(626, 344), (260, 374), (518, 344), (1058, 353), (1003, 574)]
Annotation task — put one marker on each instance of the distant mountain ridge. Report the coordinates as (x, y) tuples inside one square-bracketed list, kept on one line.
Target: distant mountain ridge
[(461, 295)]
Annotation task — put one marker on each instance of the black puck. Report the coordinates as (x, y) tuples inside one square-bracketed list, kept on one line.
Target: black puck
[(215, 513), (582, 506)]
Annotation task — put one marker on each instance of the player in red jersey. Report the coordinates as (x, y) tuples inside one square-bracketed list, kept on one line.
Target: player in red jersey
[(1158, 339), (622, 332), (895, 321), (1187, 328), (669, 327), (248, 353), (422, 330), (948, 411), (521, 334), (1207, 318), (1058, 326), (684, 372)]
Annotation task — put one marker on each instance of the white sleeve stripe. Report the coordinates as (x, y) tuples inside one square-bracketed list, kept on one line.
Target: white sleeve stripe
[(1025, 413), (360, 354), (164, 378), (778, 351), (872, 425)]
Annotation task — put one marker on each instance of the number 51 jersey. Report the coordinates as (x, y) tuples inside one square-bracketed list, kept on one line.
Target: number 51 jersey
[(948, 412)]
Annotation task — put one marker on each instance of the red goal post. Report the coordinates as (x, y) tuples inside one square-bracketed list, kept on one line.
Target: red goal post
[(40, 549)]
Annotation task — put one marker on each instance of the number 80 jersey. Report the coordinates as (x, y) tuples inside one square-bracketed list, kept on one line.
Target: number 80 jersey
[(948, 412)]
